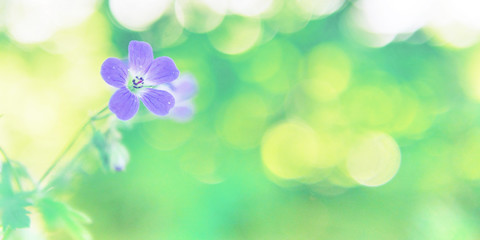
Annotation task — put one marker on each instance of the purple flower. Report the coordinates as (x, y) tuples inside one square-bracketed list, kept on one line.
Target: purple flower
[(137, 81), (183, 89)]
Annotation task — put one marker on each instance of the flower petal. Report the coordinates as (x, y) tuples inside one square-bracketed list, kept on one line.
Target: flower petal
[(124, 104), (114, 72), (162, 70), (140, 56), (183, 112), (159, 102), (185, 87)]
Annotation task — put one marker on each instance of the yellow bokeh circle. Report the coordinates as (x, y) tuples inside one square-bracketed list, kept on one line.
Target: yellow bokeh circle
[(290, 150), (329, 70), (374, 160)]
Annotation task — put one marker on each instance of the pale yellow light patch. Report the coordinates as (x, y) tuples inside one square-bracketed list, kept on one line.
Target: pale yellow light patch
[(468, 155), (200, 16), (290, 150), (236, 35), (287, 18), (46, 99), (374, 160), (471, 82), (328, 72)]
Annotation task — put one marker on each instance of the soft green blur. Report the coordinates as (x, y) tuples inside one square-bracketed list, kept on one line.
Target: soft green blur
[(300, 131)]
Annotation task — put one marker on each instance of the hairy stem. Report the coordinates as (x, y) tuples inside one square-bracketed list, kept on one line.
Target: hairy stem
[(70, 145)]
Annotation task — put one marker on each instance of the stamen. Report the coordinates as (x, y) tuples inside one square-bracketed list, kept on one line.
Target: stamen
[(137, 82)]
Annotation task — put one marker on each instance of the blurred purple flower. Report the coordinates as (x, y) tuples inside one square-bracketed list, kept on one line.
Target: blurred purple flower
[(183, 89), (119, 156), (137, 81)]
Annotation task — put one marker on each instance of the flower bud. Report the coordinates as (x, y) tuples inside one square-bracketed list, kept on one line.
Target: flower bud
[(118, 156)]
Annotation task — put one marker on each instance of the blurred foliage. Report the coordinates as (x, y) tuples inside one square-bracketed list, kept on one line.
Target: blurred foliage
[(58, 215), (12, 204), (296, 121)]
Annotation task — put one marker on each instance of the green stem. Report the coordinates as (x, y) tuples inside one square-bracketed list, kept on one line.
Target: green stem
[(70, 145), (14, 173)]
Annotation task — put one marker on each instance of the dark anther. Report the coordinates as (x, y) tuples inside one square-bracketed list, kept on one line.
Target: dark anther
[(137, 83)]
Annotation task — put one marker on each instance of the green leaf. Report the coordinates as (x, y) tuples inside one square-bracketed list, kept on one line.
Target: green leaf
[(14, 213), (6, 184), (13, 205), (58, 215), (22, 173)]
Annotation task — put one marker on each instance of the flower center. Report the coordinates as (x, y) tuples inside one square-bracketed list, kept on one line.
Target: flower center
[(137, 82)]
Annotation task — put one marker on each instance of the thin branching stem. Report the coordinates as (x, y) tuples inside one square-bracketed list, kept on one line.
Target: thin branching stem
[(70, 145), (4, 154)]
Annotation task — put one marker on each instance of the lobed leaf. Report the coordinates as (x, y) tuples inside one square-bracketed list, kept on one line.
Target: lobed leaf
[(12, 205), (14, 213), (58, 215)]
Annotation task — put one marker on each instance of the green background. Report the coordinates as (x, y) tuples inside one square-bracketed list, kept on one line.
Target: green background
[(208, 178)]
